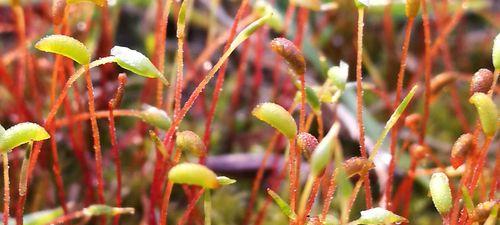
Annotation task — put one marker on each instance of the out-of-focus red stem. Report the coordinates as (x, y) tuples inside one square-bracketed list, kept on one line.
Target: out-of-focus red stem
[(394, 133), (220, 79)]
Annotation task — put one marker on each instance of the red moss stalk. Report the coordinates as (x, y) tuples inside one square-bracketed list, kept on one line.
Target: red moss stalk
[(113, 103), (56, 169), (427, 71), (329, 195), (359, 101), (95, 138), (399, 90), (220, 79)]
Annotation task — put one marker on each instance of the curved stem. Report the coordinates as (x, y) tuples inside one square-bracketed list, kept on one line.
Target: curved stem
[(6, 189)]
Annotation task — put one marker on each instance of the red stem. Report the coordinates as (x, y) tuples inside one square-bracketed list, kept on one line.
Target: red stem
[(359, 103), (427, 71), (394, 133), (96, 139), (220, 80), (329, 196), (114, 145)]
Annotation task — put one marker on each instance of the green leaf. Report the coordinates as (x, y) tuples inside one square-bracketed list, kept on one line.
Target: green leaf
[(193, 174), (155, 117), (105, 210), (338, 75), (362, 3), (263, 8), (20, 134), (487, 111), (392, 120), (66, 46), (285, 208), (379, 216), (247, 32), (324, 151), (496, 52), (276, 116), (42, 217), (97, 2), (136, 62), (440, 192), (223, 180)]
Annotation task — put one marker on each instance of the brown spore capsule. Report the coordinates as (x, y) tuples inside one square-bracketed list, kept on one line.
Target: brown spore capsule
[(357, 165), (440, 81), (419, 151), (482, 211), (413, 121), (306, 143), (294, 58), (481, 81), (461, 148)]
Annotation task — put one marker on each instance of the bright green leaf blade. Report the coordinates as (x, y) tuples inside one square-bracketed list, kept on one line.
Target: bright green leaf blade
[(193, 174), (392, 120), (379, 216), (276, 116), (324, 151), (136, 62), (285, 208), (105, 210), (20, 134), (42, 217), (223, 180), (97, 2), (66, 46)]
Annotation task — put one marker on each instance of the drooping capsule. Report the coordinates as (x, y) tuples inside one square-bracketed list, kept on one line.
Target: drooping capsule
[(419, 151), (487, 111), (379, 216), (481, 81), (190, 141), (461, 149), (357, 165), (155, 117), (20, 134), (306, 143), (193, 174), (412, 7), (276, 116), (439, 188), (482, 211), (294, 58)]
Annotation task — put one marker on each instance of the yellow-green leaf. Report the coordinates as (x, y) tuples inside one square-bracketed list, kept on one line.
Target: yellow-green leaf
[(20, 134), (97, 2), (379, 216), (440, 192), (66, 46), (136, 62), (487, 111), (276, 116), (193, 174)]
